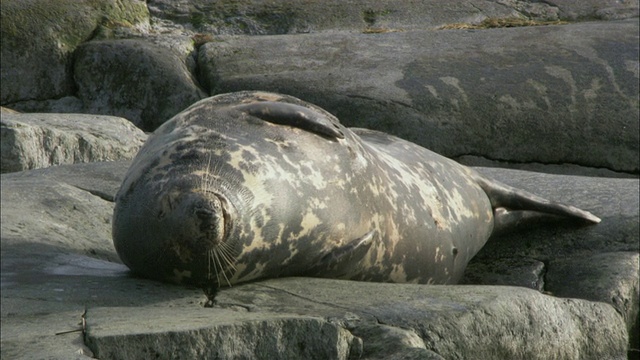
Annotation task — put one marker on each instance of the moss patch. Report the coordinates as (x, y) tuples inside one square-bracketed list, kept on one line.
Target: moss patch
[(66, 22)]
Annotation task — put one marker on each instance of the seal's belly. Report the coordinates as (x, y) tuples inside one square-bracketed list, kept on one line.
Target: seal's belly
[(436, 217), (430, 218)]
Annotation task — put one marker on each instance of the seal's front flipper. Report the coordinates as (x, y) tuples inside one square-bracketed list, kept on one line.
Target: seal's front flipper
[(293, 115), (335, 261)]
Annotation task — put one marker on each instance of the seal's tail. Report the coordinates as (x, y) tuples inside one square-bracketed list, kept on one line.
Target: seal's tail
[(505, 196)]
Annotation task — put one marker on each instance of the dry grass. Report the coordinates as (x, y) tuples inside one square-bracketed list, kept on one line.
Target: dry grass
[(200, 39), (371, 30), (492, 23)]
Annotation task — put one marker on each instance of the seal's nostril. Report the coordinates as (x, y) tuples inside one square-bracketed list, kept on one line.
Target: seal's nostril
[(205, 214)]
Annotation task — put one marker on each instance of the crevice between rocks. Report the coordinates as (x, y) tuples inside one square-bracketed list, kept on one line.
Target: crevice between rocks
[(352, 96), (98, 193), (582, 170), (363, 330), (332, 305), (543, 276)]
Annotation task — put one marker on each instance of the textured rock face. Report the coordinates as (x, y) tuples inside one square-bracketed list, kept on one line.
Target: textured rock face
[(216, 334), (494, 93), (454, 322), (140, 81), (32, 141), (259, 17), (39, 37)]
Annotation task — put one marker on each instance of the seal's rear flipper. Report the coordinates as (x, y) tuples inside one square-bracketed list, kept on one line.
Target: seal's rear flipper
[(293, 115), (347, 254), (505, 196)]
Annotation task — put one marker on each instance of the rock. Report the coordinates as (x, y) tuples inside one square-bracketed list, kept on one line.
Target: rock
[(571, 254), (546, 94), (549, 94), (213, 334), (610, 277), (289, 17), (52, 271), (39, 37), (135, 79), (66, 105), (101, 179), (595, 9), (253, 17), (31, 141), (38, 208), (454, 322), (185, 47), (388, 342)]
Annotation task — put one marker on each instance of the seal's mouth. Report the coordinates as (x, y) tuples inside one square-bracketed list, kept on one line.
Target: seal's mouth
[(215, 219), (216, 216)]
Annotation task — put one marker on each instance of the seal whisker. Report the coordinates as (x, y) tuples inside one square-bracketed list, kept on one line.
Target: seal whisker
[(215, 268), (216, 264), (217, 254), (228, 257)]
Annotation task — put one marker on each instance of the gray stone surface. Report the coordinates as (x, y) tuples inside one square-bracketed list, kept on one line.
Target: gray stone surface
[(52, 213), (550, 94), (39, 37), (135, 79), (610, 277), (32, 141), (455, 322), (52, 271), (213, 334), (597, 9), (260, 17)]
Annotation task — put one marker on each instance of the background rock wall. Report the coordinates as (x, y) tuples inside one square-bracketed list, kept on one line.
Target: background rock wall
[(463, 78)]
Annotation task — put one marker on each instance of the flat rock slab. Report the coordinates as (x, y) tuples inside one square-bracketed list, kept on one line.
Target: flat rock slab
[(550, 94), (454, 321)]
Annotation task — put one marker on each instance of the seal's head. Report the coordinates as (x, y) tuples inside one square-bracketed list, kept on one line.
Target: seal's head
[(191, 237), (198, 223)]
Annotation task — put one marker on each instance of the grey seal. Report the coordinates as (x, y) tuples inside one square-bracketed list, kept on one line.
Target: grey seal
[(253, 185)]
